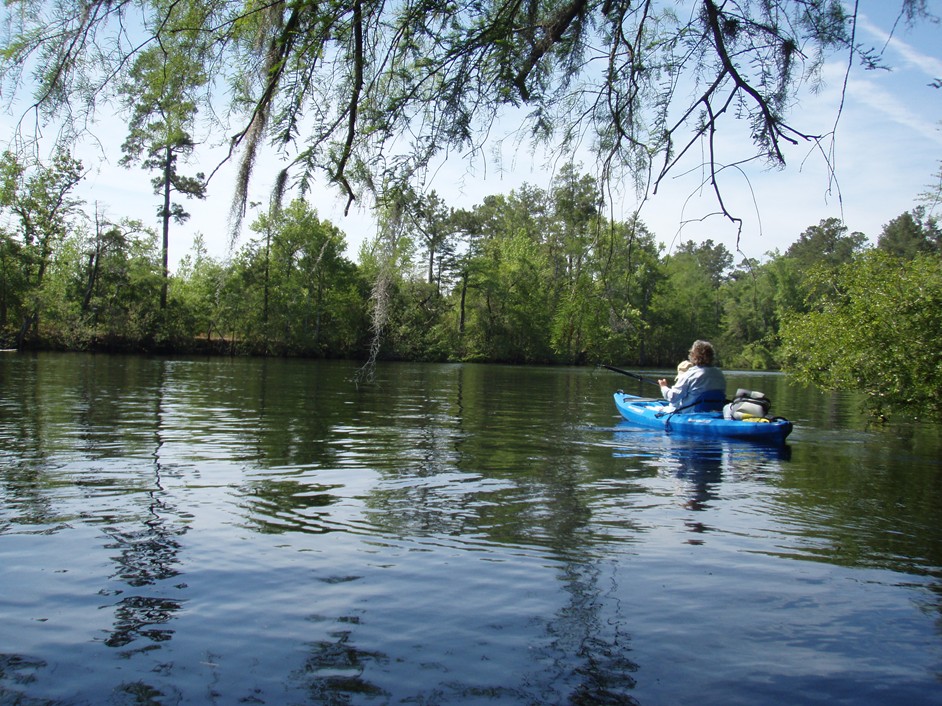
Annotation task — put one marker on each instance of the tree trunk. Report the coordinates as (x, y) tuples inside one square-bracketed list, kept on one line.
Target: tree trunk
[(267, 277), (168, 172), (464, 293), (93, 261)]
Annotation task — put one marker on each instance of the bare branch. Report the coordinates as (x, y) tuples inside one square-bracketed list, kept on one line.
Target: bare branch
[(358, 60)]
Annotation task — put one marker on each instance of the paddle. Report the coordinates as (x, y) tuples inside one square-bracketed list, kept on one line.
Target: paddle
[(631, 375)]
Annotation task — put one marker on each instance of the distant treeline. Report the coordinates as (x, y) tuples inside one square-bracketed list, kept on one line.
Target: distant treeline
[(533, 276)]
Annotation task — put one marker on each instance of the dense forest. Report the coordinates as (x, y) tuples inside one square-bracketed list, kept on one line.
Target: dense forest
[(533, 276), (365, 97)]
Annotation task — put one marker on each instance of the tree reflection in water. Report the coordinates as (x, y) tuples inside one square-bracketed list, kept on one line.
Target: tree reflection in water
[(333, 673), (592, 651), (272, 506), (433, 493), (149, 556)]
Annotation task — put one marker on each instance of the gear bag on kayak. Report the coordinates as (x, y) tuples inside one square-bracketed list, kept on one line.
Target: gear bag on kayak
[(748, 404)]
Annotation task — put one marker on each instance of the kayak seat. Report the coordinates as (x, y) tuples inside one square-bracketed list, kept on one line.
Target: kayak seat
[(711, 401)]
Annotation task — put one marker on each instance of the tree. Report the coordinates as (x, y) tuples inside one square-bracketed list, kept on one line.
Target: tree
[(159, 95), (429, 217), (931, 198), (572, 234), (910, 233), (13, 284), (306, 281), (827, 244), (626, 272), (713, 258), (684, 308), (358, 76), (111, 279), (505, 285), (201, 278), (106, 239), (39, 198), (878, 330), (750, 321), (340, 84)]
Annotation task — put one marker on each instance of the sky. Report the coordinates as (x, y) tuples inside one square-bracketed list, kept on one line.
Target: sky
[(888, 148)]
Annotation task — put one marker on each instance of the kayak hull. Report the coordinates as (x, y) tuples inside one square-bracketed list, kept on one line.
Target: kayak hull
[(652, 414)]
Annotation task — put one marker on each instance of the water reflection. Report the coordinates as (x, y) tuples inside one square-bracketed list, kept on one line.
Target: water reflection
[(458, 468), (591, 643), (334, 671), (867, 499), (695, 458), (276, 506), (698, 467), (24, 458), (148, 543), (18, 671), (451, 533)]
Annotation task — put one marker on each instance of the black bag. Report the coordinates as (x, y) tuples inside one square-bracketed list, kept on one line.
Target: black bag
[(748, 404)]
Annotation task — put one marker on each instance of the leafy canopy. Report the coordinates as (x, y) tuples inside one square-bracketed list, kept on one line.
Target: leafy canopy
[(367, 93), (876, 330)]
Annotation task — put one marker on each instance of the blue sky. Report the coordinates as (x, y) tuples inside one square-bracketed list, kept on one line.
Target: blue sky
[(887, 149)]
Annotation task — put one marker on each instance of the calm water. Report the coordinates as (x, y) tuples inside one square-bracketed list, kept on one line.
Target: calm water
[(267, 532)]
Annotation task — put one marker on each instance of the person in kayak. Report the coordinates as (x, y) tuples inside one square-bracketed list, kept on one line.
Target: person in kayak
[(702, 387)]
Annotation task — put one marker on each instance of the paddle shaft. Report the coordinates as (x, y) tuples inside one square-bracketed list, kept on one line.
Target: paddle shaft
[(631, 375)]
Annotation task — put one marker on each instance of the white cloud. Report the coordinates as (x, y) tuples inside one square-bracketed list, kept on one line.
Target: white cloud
[(895, 108), (928, 65)]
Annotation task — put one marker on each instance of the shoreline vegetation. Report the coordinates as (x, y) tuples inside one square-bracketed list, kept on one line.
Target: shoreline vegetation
[(370, 96), (534, 276)]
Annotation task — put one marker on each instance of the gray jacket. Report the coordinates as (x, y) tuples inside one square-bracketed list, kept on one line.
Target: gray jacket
[(692, 384)]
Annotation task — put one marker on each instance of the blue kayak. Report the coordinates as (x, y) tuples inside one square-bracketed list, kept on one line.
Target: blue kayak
[(653, 414)]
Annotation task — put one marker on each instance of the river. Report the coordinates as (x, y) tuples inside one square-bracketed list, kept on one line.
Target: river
[(192, 531)]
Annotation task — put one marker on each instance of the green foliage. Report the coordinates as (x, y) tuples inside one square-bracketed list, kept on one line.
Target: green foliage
[(38, 198), (534, 276), (101, 289), (198, 283), (684, 307), (13, 287), (750, 317), (508, 302), (159, 93), (910, 233), (345, 81), (298, 286), (878, 329), (570, 235), (826, 244), (712, 258)]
